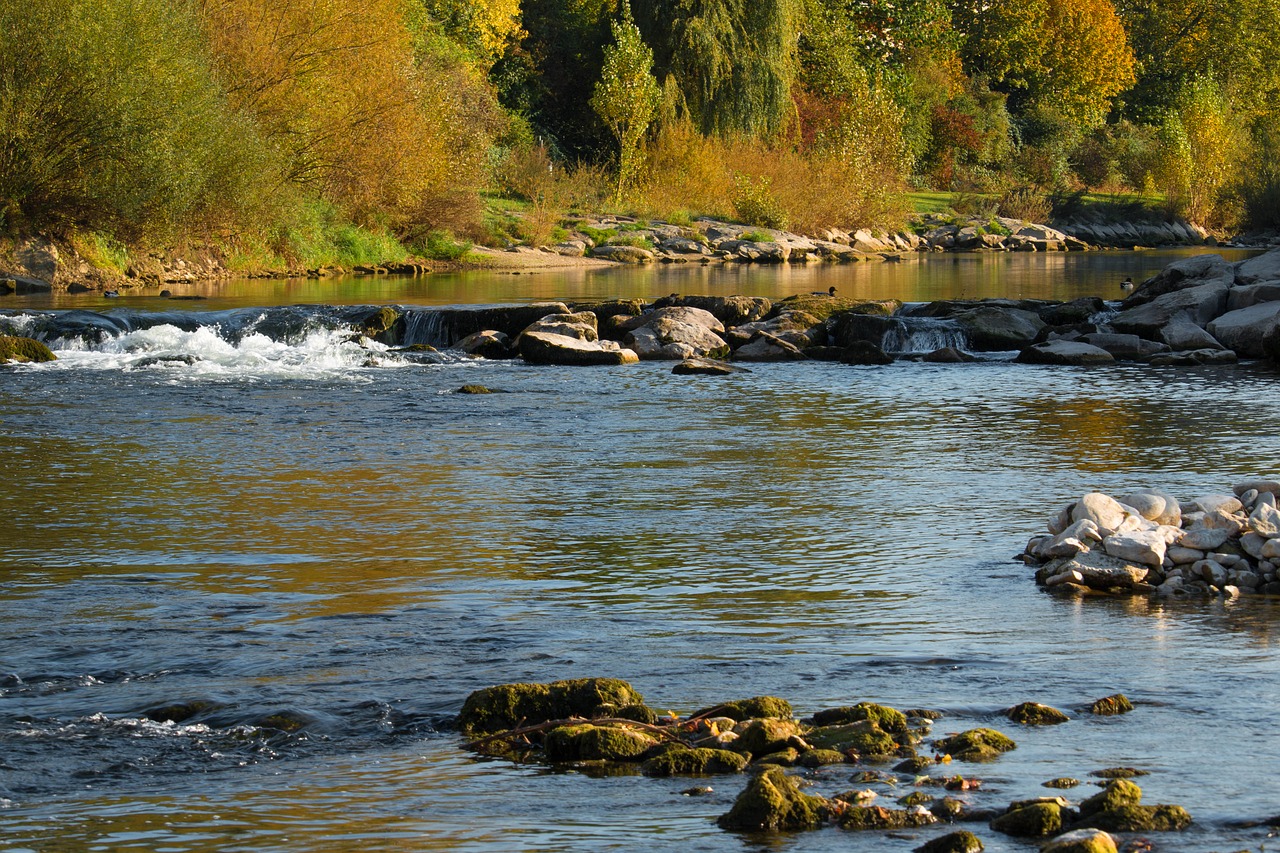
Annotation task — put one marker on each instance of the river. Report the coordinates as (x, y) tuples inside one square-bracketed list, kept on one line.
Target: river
[(328, 553)]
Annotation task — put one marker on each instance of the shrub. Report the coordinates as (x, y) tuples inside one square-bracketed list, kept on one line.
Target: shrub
[(1027, 203)]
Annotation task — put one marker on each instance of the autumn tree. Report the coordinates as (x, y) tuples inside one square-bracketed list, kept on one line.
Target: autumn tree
[(626, 96)]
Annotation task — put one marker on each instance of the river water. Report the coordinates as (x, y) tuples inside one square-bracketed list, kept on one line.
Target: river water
[(327, 553)]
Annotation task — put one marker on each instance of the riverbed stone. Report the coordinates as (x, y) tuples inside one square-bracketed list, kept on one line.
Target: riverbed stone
[(1103, 510), (1035, 714), (1243, 330), (666, 338), (1077, 538), (864, 738), (1116, 793), (505, 706), (767, 347), (1126, 347), (889, 719), (1264, 267), (19, 349), (587, 742), (1184, 273), (1182, 335), (583, 325), (729, 310), (1145, 547), (681, 760), (772, 800), (1081, 841), (1064, 352), (1199, 305), (1164, 818), (488, 343), (765, 735), (980, 744), (756, 707), (879, 817), (549, 348), (1160, 507), (1265, 521), (706, 367), (1107, 706), (961, 841), (1035, 820), (993, 327)]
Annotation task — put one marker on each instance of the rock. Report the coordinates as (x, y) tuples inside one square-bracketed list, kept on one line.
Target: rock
[(1075, 539), (455, 324), (1119, 773), (1117, 793), (862, 352), (1128, 347), (1155, 506), (729, 310), (1062, 782), (474, 389), (1145, 547), (1271, 345), (766, 735), (879, 817), (1265, 521), (772, 801), (588, 742), (961, 841), (1265, 267), (583, 325), (1081, 841), (489, 344), (679, 760), (1201, 538), (821, 758), (1076, 311), (1183, 274), (1141, 819), (767, 347), (503, 706), (27, 350), (976, 745), (1198, 305), (1243, 330), (863, 738), (1182, 335), (991, 327), (755, 708), (848, 327), (1252, 294), (546, 348), (889, 719), (948, 355), (1032, 821), (1035, 714), (1102, 510), (706, 367), (1108, 706), (668, 338), (623, 254)]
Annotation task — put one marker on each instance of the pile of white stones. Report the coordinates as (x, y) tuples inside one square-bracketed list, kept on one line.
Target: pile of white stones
[(1151, 543)]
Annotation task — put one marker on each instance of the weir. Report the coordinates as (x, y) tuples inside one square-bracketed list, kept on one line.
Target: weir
[(922, 334)]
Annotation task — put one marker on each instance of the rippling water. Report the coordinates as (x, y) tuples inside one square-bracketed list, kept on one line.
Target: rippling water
[(328, 556)]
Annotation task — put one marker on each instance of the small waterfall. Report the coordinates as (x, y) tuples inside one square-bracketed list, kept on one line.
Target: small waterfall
[(428, 326), (922, 335)]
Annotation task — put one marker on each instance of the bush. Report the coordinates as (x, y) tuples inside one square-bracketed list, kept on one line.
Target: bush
[(1027, 203)]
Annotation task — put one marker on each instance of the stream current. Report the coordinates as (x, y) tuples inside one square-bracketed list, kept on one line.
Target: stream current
[(321, 555)]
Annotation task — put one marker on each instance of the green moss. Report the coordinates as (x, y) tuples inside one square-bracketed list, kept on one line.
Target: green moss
[(506, 706), (1118, 793), (821, 758), (976, 745), (879, 817), (863, 737), (381, 324), (915, 798), (788, 757), (750, 709), (950, 809), (1120, 773), (1062, 782), (24, 350), (1140, 819), (1033, 821), (596, 743), (1035, 714), (763, 736), (683, 761), (889, 719), (474, 389), (1111, 705), (772, 801), (961, 841)]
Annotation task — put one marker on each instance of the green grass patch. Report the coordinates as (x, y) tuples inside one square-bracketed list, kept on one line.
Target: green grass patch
[(102, 251), (441, 246), (931, 202)]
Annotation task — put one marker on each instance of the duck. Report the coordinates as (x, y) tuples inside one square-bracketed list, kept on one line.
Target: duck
[(111, 294), (1127, 284), (830, 291)]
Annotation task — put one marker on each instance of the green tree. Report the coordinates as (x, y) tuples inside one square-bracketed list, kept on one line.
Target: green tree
[(627, 96), (1204, 146)]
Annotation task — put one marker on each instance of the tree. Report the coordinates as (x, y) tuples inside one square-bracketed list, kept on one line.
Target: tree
[(1071, 58), (627, 96)]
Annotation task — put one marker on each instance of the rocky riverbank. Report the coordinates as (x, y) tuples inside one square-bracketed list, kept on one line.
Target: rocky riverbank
[(880, 769), (1150, 543)]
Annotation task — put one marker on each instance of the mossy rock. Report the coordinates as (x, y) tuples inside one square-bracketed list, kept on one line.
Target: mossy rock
[(889, 719), (915, 798), (788, 757), (1120, 773), (755, 708), (684, 761), (1035, 714), (949, 809), (505, 706), (1081, 841), (863, 737), (24, 350), (180, 712), (379, 322), (915, 765), (761, 737), (1062, 783), (475, 389), (639, 713), (1037, 820), (773, 801), (1111, 705), (879, 817), (962, 841), (596, 743), (976, 745), (1117, 793), (1140, 819), (821, 758)]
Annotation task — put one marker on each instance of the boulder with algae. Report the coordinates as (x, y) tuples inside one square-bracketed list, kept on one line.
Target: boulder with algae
[(772, 800), (506, 706), (976, 745)]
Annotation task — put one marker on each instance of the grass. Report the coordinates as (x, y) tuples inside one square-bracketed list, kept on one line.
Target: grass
[(102, 251), (931, 202)]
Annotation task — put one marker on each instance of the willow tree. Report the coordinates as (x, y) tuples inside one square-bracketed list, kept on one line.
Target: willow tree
[(733, 60), (627, 97)]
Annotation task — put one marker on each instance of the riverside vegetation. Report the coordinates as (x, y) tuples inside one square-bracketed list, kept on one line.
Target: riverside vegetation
[(263, 135), (904, 777)]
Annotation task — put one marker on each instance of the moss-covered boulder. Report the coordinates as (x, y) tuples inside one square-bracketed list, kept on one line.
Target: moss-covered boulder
[(1036, 820), (1119, 773), (914, 765), (889, 719), (588, 742), (1035, 714), (750, 709), (879, 817), (915, 798), (384, 324), (962, 841), (505, 706), (1140, 819), (949, 809), (677, 760), (1111, 705), (1117, 793), (771, 801), (821, 758), (788, 757), (1081, 841), (30, 350), (761, 737), (1062, 782), (864, 738), (976, 745)]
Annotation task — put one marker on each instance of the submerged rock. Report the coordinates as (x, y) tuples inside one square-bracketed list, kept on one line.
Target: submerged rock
[(680, 760), (1035, 714), (976, 745), (506, 706), (962, 841), (1110, 705), (879, 817), (772, 801), (1034, 820)]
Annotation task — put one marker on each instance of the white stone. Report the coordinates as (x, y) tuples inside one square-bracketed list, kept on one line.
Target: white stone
[(1204, 538), (1146, 547), (1184, 556), (1061, 521), (1270, 486), (1071, 541), (1212, 503), (1081, 841), (1069, 576), (1271, 550), (1156, 506), (1252, 544), (1103, 510), (1210, 571), (1265, 521)]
